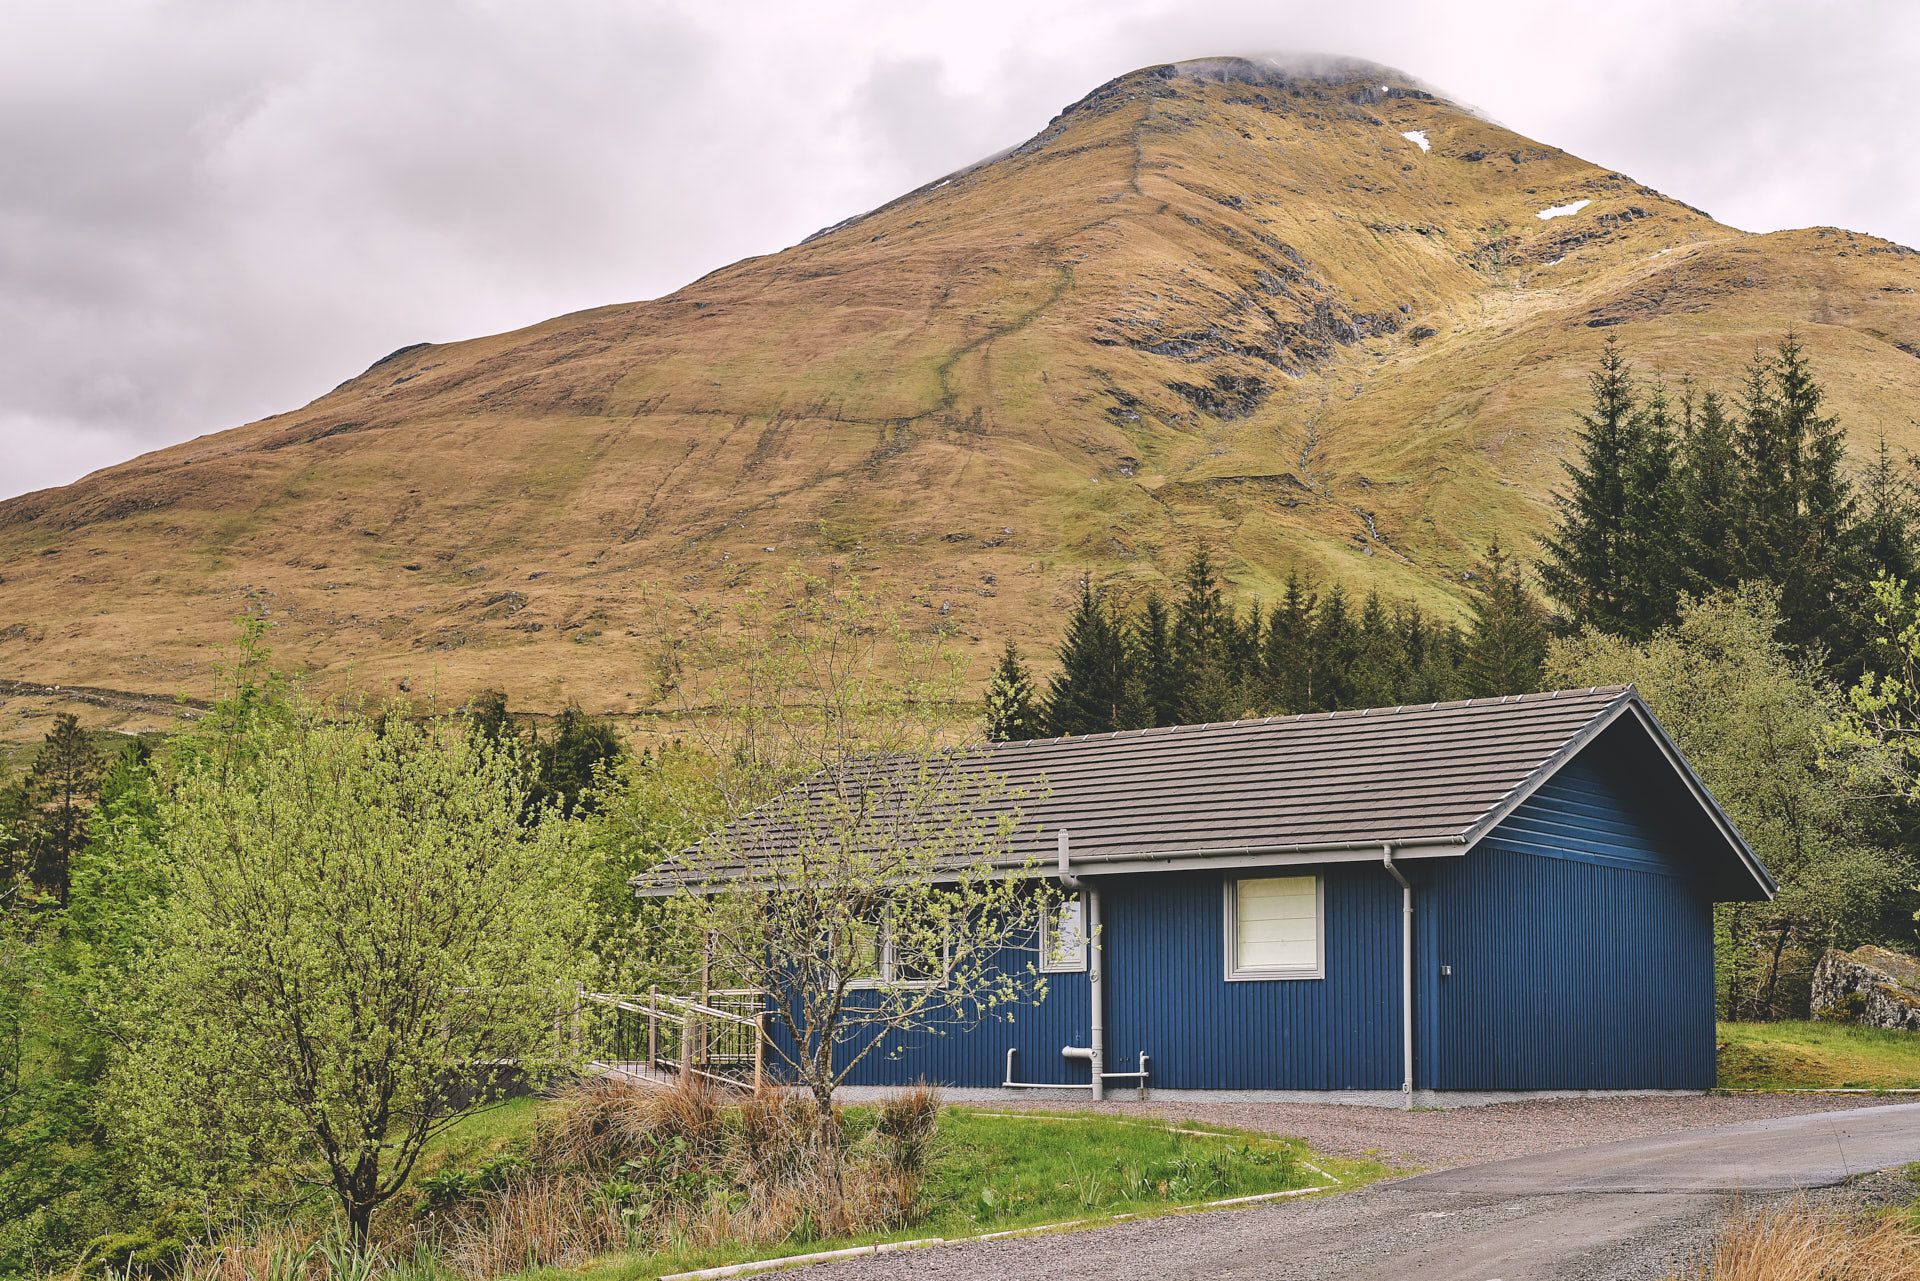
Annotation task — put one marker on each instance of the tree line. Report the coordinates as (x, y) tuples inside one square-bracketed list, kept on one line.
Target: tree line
[(1683, 494), (1201, 658), (1673, 494)]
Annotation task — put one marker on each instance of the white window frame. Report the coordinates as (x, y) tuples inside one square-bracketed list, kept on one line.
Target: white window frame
[(1230, 901), (1075, 963), (889, 962)]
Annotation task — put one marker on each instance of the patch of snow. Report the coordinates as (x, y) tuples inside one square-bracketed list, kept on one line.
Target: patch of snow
[(1418, 137), (1384, 89), (1561, 211)]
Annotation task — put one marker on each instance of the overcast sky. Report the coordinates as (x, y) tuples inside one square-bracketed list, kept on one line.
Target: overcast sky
[(214, 211)]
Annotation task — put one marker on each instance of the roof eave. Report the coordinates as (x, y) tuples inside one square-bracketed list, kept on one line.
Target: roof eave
[(1135, 864)]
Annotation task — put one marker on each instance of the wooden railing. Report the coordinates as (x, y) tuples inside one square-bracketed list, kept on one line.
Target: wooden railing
[(655, 1035)]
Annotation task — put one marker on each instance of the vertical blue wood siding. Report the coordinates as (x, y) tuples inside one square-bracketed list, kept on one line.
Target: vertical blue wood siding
[(1580, 942), (1167, 992)]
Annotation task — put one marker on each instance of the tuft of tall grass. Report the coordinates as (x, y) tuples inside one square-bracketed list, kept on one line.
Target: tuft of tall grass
[(1799, 1244), (605, 1122), (542, 1221)]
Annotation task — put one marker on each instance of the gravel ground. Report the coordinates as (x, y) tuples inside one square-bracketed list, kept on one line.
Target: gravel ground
[(1438, 1138), (1423, 1229), (1376, 1233)]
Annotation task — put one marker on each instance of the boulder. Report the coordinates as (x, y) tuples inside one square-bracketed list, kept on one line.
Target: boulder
[(1869, 985)]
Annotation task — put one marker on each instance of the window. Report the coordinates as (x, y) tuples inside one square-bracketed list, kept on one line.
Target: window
[(896, 965), (1063, 936), (1274, 928)]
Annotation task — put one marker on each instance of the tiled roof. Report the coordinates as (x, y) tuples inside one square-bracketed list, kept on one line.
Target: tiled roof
[(1420, 777)]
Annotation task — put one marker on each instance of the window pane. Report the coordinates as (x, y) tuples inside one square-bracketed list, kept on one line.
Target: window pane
[(1063, 938), (1276, 923)]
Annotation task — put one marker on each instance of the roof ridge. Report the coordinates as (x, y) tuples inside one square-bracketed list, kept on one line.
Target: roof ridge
[(1353, 713)]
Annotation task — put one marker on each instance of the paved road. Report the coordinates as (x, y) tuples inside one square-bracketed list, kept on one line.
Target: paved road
[(1619, 1211)]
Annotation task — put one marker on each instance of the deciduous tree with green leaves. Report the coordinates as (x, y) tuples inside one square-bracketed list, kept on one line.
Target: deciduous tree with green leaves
[(858, 872), (360, 932)]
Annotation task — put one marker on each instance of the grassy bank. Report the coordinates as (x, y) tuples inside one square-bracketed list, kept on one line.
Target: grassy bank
[(990, 1171), (1803, 1056)]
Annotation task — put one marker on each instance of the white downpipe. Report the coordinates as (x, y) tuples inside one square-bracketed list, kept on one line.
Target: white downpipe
[(1406, 973), (1095, 1052), (1096, 995)]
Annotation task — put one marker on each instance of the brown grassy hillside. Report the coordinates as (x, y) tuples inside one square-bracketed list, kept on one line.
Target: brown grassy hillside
[(1213, 301)]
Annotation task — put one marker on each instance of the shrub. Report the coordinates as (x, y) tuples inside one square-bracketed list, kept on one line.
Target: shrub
[(620, 1164)]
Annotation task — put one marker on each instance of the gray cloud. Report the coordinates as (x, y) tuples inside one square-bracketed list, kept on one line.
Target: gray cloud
[(216, 209)]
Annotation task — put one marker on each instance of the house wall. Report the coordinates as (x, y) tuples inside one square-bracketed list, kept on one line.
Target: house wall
[(1578, 933), (1167, 995), (1580, 943)]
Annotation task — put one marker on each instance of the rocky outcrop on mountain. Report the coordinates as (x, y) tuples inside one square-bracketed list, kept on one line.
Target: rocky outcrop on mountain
[(1871, 986)]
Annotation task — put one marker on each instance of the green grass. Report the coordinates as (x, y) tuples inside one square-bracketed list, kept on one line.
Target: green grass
[(996, 1172), (1802, 1056)]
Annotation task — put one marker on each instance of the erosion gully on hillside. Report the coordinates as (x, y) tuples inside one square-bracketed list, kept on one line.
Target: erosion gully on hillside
[(1555, 1190)]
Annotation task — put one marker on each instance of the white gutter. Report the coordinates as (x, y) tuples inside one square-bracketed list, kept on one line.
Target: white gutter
[(1406, 972)]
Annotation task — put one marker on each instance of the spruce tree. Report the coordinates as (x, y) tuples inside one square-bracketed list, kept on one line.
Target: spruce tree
[(1506, 649), (1377, 672), (59, 794), (488, 718), (1812, 595), (1883, 537), (1202, 626), (1287, 654), (1159, 673), (570, 759), (1654, 573), (1587, 562), (1336, 642), (1432, 656), (1089, 694), (1246, 636), (1769, 461), (1013, 707), (1708, 489)]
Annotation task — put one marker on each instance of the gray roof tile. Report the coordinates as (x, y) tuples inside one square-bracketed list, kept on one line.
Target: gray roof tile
[(1426, 774)]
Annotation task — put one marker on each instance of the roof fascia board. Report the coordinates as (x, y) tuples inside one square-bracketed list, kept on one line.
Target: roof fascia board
[(1630, 702), (1697, 787)]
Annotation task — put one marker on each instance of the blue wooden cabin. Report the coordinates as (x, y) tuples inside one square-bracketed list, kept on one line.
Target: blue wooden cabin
[(1485, 896)]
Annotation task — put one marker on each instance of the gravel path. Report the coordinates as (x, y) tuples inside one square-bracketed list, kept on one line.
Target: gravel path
[(1639, 1208), (1434, 1139)]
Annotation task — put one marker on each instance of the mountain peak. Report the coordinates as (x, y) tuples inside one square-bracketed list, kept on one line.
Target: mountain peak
[(1289, 74)]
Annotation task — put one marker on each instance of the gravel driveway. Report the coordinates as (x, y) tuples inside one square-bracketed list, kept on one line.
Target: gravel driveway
[(1435, 1138), (1564, 1204)]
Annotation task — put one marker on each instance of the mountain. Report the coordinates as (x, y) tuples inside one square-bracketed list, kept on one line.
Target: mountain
[(1312, 313)]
